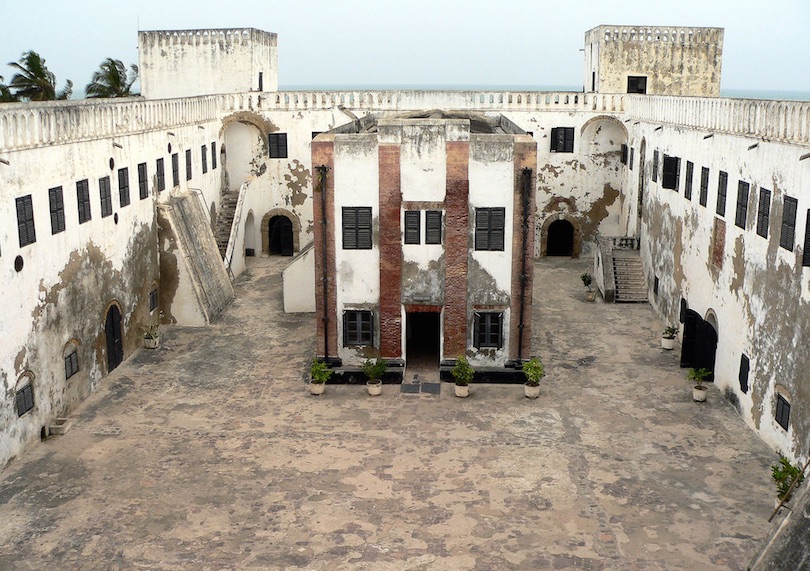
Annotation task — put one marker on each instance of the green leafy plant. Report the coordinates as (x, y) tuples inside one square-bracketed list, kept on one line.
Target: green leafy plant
[(319, 371), (462, 371), (698, 376), (534, 371), (587, 280), (669, 333), (374, 369), (783, 475)]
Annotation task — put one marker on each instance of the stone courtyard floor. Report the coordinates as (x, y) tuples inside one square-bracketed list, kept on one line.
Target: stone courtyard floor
[(209, 453)]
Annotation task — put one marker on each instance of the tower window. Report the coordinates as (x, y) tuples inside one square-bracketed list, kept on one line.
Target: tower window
[(636, 84), (57, 204), (562, 139), (788, 235), (277, 145)]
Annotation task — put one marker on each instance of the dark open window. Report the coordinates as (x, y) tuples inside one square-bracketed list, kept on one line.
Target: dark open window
[(71, 364), (636, 84), (632, 158), (782, 412), (106, 196), (357, 228), (722, 189), (489, 228), (788, 235), (153, 299), (744, 367), (143, 184), (188, 164), (358, 328), (278, 145), (433, 227), (562, 139), (204, 158), (624, 154), (655, 167), (175, 170), (764, 212), (57, 203), (25, 221), (161, 175), (704, 186), (24, 399), (687, 185), (123, 187), (412, 226), (488, 330), (672, 173), (213, 155), (806, 252), (742, 204), (83, 199)]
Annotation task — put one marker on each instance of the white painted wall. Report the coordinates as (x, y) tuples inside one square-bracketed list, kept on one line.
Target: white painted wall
[(299, 286)]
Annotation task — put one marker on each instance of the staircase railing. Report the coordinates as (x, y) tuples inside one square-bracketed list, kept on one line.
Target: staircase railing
[(235, 229)]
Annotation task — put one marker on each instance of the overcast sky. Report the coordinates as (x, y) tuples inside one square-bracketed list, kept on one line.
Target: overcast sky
[(414, 42)]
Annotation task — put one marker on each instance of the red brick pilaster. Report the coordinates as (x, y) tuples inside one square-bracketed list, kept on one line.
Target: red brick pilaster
[(456, 246), (525, 157), (390, 253), (323, 153)]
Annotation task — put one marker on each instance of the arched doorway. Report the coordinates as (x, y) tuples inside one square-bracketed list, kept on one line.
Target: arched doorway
[(560, 240), (250, 235), (115, 339), (280, 236), (699, 343)]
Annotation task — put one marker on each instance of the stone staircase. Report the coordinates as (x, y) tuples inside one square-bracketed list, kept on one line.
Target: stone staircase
[(227, 208), (629, 277)]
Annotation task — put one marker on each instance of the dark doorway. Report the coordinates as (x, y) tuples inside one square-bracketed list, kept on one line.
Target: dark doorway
[(281, 236), (699, 343), (115, 342), (422, 340), (560, 239)]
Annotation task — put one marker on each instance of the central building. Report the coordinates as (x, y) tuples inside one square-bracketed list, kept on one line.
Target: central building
[(424, 236)]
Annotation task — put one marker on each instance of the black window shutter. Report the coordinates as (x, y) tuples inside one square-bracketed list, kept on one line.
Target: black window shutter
[(568, 146), (412, 226), (364, 228), (349, 229), (744, 367), (482, 229), (655, 167), (433, 227), (477, 332), (788, 236), (806, 252), (624, 154), (497, 222), (764, 212)]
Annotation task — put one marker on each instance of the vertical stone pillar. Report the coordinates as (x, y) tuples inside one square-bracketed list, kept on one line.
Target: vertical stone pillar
[(457, 243), (390, 253), (323, 154)]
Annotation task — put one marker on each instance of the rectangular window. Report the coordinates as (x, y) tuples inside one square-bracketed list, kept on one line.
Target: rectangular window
[(25, 221), (788, 235), (214, 156), (806, 252), (153, 299), (672, 173), (764, 212), (175, 170), (704, 186), (744, 367), (687, 185), (56, 201), (488, 330), (123, 187), (358, 328), (188, 164), (357, 228), (161, 175), (782, 412), (624, 154), (632, 158), (741, 215), (562, 139), (636, 84), (71, 364), (204, 158), (278, 145), (489, 228), (83, 198), (655, 167), (722, 189), (106, 196), (143, 184), (24, 399), (412, 226), (433, 227)]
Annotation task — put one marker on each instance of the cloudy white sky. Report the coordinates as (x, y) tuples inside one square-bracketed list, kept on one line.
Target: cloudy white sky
[(414, 42)]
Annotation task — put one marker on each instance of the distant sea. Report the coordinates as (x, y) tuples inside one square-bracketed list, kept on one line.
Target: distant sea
[(777, 95)]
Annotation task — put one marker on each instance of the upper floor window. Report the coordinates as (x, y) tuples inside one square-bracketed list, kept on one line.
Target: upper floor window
[(188, 164), (764, 212), (161, 175), (204, 158), (636, 84), (672, 173), (655, 167), (489, 228), (123, 187), (741, 216), (687, 185), (57, 203), (433, 227), (175, 170), (632, 157), (722, 189), (562, 139), (25, 220), (357, 228), (358, 328), (704, 186), (213, 155), (106, 196), (624, 154), (24, 397), (413, 226), (143, 184), (83, 199), (277, 145), (788, 235)]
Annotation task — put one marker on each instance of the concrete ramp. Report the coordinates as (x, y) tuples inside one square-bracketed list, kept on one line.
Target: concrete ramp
[(194, 286)]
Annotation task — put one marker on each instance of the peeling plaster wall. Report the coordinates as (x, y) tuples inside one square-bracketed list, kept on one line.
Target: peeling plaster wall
[(758, 291)]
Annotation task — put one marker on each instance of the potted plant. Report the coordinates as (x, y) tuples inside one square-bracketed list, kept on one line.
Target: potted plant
[(320, 373), (462, 374), (151, 332), (374, 370), (587, 280), (783, 475), (668, 338), (699, 376), (534, 371)]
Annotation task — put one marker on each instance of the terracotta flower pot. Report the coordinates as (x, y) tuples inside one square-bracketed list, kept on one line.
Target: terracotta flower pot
[(151, 342)]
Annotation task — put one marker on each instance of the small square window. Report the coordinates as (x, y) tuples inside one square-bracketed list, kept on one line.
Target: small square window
[(25, 221), (489, 228), (782, 416), (636, 84), (562, 139), (277, 145), (488, 330), (413, 225), (24, 399), (358, 328), (71, 364)]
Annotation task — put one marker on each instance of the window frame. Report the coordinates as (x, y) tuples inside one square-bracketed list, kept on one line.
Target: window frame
[(562, 140), (741, 213), (105, 196), (277, 145), (71, 363), (123, 187), (83, 200), (175, 169), (26, 229), (358, 328), (689, 180), (671, 173), (637, 84), (782, 412), (412, 227), (24, 396), (355, 235), (189, 166), (153, 299), (204, 158), (56, 202), (160, 173), (488, 329), (764, 212), (487, 232), (143, 181), (703, 200), (787, 237), (433, 226), (722, 193), (213, 155)]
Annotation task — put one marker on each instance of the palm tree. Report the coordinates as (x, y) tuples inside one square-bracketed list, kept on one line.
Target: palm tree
[(35, 82), (5, 93), (112, 80)]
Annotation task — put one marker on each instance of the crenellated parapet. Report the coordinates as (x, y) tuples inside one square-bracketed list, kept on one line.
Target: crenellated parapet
[(243, 36), (669, 34)]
